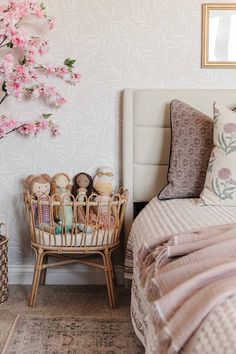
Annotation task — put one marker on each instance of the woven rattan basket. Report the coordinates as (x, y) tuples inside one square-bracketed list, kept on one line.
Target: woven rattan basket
[(77, 242), (3, 263)]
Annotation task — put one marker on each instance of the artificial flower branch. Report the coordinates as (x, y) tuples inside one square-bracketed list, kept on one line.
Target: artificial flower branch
[(21, 75)]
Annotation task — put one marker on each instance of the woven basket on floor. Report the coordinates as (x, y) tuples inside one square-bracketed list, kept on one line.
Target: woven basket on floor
[(3, 263)]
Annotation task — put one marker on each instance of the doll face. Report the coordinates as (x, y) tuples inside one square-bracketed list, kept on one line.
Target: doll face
[(61, 181), (104, 188), (82, 181), (40, 189)]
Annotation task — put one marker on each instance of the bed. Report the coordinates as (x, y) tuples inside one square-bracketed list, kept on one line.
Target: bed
[(146, 149)]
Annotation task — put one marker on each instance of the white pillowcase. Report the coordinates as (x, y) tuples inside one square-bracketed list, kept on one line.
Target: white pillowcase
[(220, 184)]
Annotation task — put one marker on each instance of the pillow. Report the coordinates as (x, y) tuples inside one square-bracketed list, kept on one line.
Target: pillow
[(220, 184), (191, 146)]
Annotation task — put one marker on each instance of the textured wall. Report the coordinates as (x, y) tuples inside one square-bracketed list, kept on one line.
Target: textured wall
[(118, 43)]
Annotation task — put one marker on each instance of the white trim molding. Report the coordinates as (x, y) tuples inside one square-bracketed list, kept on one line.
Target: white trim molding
[(70, 275)]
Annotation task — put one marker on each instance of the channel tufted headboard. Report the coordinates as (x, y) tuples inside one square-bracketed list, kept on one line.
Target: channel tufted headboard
[(147, 137)]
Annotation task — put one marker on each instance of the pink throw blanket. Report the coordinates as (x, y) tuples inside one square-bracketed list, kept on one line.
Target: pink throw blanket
[(187, 275)]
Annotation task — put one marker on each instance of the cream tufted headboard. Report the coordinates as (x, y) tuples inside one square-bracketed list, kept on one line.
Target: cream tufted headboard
[(147, 137)]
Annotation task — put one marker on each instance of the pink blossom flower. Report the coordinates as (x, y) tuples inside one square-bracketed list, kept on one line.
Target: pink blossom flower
[(51, 23), (43, 124), (38, 12), (30, 60), (55, 129), (224, 173), (74, 79), (44, 90), (60, 101), (61, 71), (34, 127), (15, 88), (8, 58), (50, 70), (20, 38), (18, 42), (77, 76), (8, 64), (28, 129), (38, 45), (6, 125)]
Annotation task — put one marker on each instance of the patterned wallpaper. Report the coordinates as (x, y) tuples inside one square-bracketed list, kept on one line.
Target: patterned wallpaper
[(118, 44)]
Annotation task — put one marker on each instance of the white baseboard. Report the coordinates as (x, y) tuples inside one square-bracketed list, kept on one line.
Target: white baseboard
[(70, 275)]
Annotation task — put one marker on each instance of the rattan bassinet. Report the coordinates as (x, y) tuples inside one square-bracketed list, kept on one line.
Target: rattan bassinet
[(75, 243), (3, 263)]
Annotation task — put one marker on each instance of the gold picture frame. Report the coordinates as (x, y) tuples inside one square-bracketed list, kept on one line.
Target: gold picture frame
[(218, 26)]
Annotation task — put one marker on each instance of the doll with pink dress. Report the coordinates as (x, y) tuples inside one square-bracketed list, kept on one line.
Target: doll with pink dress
[(104, 183)]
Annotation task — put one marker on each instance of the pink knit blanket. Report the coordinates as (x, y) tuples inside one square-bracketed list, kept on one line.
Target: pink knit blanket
[(186, 276)]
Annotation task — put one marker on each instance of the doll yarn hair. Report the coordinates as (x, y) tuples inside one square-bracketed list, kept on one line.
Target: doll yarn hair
[(54, 187), (104, 175), (75, 184), (30, 180), (54, 192)]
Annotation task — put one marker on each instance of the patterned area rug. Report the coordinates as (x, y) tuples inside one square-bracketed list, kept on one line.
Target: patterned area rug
[(33, 334)]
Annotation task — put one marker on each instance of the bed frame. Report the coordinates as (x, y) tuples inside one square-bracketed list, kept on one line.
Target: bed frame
[(147, 137)]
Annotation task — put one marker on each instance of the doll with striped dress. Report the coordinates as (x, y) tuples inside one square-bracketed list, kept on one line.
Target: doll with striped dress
[(40, 187)]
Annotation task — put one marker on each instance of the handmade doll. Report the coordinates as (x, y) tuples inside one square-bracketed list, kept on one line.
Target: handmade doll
[(61, 189), (39, 186), (82, 188), (103, 183)]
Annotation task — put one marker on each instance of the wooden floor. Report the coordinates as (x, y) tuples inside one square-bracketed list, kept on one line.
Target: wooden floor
[(64, 301)]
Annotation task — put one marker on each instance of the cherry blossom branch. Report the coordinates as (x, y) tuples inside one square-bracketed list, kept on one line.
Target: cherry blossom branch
[(3, 99), (4, 45), (11, 131), (20, 75)]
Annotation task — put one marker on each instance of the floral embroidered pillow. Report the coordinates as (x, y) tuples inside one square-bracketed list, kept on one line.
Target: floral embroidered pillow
[(191, 146), (220, 184)]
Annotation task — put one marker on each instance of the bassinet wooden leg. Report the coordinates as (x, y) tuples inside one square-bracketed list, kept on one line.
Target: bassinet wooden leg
[(44, 271), (113, 271), (108, 274), (36, 278)]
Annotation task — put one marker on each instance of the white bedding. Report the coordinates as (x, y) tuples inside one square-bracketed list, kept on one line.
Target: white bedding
[(168, 217)]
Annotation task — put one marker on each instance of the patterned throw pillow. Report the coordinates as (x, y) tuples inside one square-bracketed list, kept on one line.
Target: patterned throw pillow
[(191, 146), (220, 184)]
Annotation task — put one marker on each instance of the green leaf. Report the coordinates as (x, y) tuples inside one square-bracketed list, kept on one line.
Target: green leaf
[(232, 149), (10, 45), (69, 62), (4, 87), (227, 196), (42, 6), (219, 140), (23, 61), (218, 186), (224, 142), (231, 187), (214, 189), (46, 115)]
